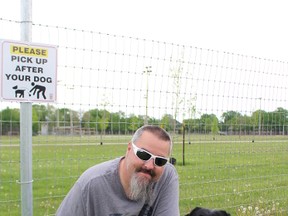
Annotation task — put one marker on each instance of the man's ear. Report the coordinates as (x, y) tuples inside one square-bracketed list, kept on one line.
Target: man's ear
[(129, 146)]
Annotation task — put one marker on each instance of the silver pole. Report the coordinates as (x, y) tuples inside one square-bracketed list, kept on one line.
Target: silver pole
[(26, 159), (26, 124)]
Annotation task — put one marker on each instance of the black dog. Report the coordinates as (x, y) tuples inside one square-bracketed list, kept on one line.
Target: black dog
[(198, 211)]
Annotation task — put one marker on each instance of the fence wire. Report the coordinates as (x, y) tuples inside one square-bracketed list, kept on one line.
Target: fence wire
[(227, 114)]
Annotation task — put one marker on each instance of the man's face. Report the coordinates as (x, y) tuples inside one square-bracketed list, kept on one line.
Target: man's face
[(143, 174)]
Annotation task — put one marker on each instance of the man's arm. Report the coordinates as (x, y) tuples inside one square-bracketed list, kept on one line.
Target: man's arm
[(168, 201), (73, 204)]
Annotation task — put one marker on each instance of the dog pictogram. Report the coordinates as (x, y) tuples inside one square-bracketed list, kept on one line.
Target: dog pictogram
[(18, 92)]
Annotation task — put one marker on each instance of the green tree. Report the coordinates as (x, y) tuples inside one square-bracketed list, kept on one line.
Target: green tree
[(35, 122), (257, 119), (206, 122), (231, 120), (41, 115), (10, 121), (117, 121), (134, 122), (89, 120), (278, 120), (192, 125), (103, 121), (214, 126), (167, 122)]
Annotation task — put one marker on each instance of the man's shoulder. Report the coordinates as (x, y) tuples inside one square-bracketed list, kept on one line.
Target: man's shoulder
[(96, 172), (169, 175), (170, 168)]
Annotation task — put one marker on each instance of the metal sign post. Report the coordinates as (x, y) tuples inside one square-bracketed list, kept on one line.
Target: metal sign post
[(28, 72), (26, 124)]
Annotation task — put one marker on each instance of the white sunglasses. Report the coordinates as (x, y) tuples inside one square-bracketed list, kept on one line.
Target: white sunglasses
[(146, 156)]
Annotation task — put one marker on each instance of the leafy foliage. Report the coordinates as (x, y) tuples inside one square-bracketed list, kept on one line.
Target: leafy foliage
[(102, 121)]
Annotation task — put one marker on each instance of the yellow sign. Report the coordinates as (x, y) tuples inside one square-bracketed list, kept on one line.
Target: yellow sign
[(28, 72), (29, 51)]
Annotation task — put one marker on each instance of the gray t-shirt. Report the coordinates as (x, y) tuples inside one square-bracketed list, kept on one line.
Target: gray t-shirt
[(98, 192)]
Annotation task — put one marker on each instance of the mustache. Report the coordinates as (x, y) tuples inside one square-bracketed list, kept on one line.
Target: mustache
[(147, 171)]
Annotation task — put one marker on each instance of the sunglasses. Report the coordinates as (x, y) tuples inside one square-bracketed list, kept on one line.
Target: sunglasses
[(146, 156)]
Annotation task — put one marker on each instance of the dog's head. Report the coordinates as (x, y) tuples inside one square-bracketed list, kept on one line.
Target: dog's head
[(198, 211)]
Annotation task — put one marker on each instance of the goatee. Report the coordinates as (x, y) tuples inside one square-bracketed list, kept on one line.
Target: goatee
[(141, 188)]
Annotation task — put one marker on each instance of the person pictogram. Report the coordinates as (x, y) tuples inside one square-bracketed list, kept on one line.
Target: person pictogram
[(38, 89)]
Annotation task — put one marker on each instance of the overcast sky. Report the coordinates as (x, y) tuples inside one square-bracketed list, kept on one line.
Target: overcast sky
[(250, 27)]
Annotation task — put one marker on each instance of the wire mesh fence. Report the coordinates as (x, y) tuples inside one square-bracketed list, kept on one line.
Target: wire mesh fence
[(227, 114)]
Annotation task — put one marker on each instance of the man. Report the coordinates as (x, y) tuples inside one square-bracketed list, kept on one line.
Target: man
[(142, 183)]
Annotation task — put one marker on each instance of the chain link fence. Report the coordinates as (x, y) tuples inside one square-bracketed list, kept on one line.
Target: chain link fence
[(227, 114)]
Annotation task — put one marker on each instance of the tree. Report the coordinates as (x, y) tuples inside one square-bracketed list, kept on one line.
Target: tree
[(117, 121), (10, 121), (231, 120), (42, 114), (167, 122), (134, 122), (278, 120), (35, 122), (214, 126), (257, 120), (192, 125), (89, 120), (206, 122), (103, 121)]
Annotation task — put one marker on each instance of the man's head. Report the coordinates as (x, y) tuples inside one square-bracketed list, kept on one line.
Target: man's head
[(146, 156), (156, 131)]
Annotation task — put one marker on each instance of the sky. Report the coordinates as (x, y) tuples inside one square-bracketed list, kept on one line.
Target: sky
[(249, 27)]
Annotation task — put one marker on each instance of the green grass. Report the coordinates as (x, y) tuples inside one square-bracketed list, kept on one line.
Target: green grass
[(231, 172)]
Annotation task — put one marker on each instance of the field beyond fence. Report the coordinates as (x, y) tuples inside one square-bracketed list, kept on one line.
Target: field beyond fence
[(232, 109), (229, 172)]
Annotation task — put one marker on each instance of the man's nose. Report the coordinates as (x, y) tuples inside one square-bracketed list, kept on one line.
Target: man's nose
[(150, 164)]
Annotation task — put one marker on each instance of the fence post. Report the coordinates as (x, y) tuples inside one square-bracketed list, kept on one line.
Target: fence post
[(26, 124)]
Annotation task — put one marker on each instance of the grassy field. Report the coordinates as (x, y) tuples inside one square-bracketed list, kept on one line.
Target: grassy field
[(243, 175)]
